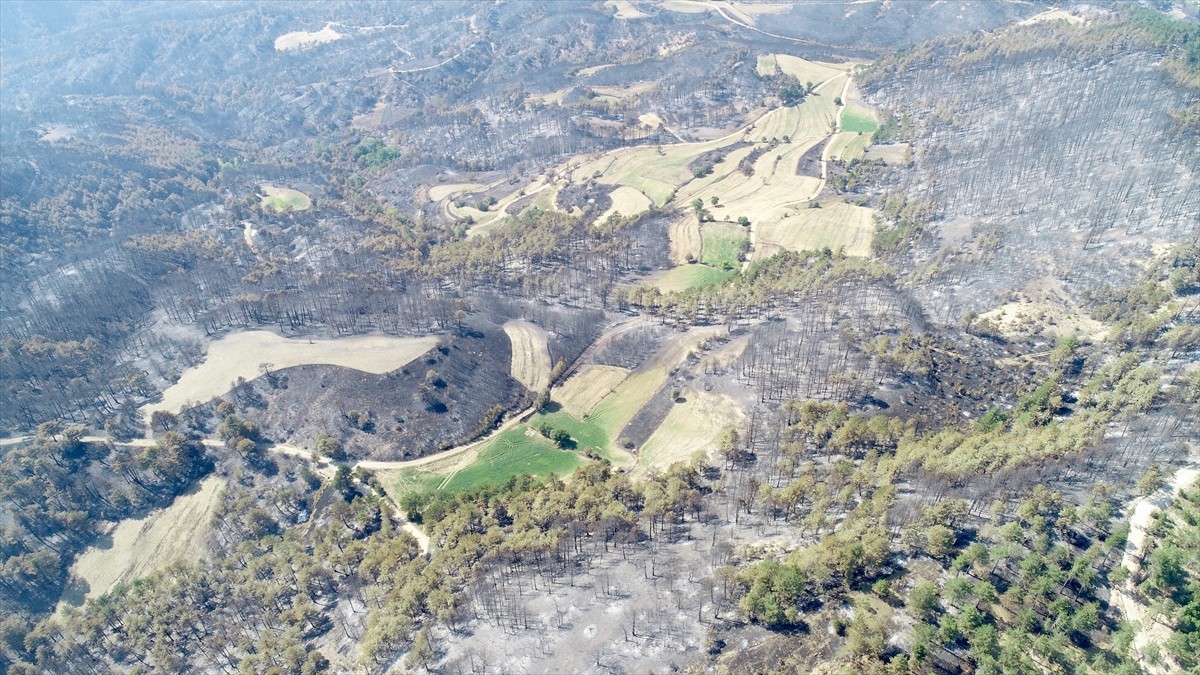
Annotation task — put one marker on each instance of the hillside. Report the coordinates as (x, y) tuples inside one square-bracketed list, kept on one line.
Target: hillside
[(621, 336)]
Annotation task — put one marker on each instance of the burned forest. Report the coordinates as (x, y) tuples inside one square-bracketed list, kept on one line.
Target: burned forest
[(599, 336)]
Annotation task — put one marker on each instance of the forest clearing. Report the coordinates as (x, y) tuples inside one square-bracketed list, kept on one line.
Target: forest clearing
[(284, 199), (139, 547)]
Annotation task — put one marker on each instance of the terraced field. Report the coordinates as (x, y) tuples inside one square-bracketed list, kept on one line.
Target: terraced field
[(835, 225), (596, 405)]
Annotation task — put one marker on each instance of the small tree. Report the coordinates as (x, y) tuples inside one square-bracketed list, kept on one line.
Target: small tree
[(923, 601), (330, 446), (939, 541), (1151, 481)]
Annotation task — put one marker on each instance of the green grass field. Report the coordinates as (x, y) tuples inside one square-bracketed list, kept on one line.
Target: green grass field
[(687, 277), (766, 65), (615, 411), (722, 244), (416, 481), (858, 118), (513, 453), (285, 199), (587, 434)]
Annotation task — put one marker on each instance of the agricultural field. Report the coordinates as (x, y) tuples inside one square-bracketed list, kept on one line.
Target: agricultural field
[(858, 117), (458, 207), (748, 12), (662, 173), (439, 192), (723, 244), (624, 9), (894, 154), (281, 199), (592, 70), (848, 145), (766, 65), (808, 71), (616, 94), (836, 224), (555, 97), (530, 354), (512, 453), (247, 354), (685, 277), (626, 201), (685, 240), (139, 547), (596, 404), (685, 6), (692, 426), (583, 390)]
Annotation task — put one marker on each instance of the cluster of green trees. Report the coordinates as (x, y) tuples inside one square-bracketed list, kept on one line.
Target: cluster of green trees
[(849, 176), (901, 222), (1024, 596), (1038, 429), (1147, 312), (374, 153), (766, 283)]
